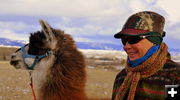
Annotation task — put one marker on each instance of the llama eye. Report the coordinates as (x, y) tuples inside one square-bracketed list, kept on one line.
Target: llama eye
[(64, 39)]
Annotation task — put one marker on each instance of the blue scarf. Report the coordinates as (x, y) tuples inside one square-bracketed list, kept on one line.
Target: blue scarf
[(150, 52)]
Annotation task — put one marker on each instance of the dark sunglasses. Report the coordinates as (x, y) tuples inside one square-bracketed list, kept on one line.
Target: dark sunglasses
[(135, 39), (131, 40)]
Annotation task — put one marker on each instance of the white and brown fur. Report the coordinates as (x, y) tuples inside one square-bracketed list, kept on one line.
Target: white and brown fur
[(60, 76)]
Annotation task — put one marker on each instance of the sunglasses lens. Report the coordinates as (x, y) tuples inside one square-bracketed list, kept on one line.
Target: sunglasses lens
[(123, 41), (131, 40), (134, 40)]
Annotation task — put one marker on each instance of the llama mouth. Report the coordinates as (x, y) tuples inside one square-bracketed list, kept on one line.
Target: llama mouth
[(14, 62)]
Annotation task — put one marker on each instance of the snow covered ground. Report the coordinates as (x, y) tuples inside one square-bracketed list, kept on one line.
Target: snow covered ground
[(106, 53), (118, 54)]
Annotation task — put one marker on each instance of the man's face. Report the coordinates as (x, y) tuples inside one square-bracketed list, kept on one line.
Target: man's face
[(137, 50)]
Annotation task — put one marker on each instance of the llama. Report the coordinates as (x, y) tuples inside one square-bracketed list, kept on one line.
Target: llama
[(58, 67)]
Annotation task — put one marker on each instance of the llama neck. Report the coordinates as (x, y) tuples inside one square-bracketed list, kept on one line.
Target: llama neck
[(64, 80), (39, 75)]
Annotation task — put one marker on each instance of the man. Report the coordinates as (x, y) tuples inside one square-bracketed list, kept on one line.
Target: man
[(148, 67)]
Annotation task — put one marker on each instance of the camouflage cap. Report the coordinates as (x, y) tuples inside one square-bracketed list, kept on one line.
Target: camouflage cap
[(143, 23)]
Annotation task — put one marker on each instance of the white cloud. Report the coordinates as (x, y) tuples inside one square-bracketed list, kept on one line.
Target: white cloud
[(62, 7), (15, 30), (88, 30), (168, 8), (66, 20), (104, 17), (12, 35), (137, 5), (88, 8), (171, 7), (13, 25)]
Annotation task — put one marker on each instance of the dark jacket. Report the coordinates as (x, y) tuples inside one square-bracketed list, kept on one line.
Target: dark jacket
[(153, 87)]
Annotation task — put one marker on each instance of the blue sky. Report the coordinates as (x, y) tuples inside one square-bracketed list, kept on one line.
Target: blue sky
[(85, 20)]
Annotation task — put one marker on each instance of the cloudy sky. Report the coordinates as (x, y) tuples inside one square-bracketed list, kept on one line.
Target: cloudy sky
[(85, 20)]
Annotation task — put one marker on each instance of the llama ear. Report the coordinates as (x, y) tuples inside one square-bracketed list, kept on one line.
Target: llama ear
[(46, 28)]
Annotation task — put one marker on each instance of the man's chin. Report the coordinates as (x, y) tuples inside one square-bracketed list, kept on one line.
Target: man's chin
[(132, 58)]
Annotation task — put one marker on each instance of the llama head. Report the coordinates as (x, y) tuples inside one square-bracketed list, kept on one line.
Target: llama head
[(39, 50)]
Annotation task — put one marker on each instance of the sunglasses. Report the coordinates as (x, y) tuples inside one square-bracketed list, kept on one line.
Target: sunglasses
[(135, 39)]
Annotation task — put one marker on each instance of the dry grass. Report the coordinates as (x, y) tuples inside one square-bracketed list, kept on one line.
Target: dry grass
[(100, 83), (14, 83), (5, 52)]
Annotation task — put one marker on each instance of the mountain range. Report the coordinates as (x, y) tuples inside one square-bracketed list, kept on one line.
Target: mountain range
[(81, 45)]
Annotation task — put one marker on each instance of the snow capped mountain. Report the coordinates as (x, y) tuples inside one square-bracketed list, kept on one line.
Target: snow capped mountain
[(82, 45), (13, 43)]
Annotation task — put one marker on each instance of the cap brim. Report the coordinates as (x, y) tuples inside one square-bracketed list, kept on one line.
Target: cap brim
[(130, 32), (118, 35)]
